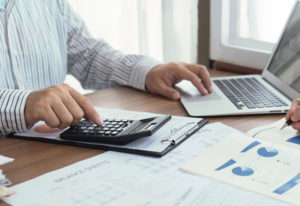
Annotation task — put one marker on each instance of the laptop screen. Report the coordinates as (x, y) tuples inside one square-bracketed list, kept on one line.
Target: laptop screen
[(285, 63)]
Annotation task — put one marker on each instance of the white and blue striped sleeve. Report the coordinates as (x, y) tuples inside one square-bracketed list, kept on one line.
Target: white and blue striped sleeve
[(97, 65), (12, 106)]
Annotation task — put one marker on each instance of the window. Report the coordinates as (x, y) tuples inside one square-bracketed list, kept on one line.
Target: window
[(244, 32), (162, 29)]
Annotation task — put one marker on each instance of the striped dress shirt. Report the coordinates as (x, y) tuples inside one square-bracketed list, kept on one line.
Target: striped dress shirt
[(2, 3), (43, 40)]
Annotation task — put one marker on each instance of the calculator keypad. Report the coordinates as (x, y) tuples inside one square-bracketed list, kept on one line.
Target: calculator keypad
[(109, 127)]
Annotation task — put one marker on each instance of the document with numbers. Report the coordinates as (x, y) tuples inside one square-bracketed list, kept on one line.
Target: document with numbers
[(126, 179), (266, 161)]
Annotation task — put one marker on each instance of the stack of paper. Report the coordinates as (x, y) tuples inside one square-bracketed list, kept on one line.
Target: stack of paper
[(4, 182), (116, 178)]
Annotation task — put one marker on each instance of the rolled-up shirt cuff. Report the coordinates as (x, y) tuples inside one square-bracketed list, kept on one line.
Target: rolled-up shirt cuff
[(13, 111), (139, 72)]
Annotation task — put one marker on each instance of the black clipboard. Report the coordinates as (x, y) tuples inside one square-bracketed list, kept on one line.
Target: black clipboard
[(173, 142)]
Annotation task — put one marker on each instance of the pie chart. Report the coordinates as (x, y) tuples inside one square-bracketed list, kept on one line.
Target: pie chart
[(267, 152), (242, 171)]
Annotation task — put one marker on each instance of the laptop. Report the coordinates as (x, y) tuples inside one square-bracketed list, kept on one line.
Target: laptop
[(270, 92)]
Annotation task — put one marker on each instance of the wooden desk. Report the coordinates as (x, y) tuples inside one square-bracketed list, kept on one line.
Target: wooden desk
[(35, 158)]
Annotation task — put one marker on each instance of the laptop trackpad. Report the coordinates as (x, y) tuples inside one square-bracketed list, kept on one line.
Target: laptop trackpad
[(191, 93)]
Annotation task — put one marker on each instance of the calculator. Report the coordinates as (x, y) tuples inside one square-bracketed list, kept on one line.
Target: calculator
[(114, 131)]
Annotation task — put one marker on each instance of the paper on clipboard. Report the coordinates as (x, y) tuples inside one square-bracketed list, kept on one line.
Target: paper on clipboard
[(153, 145)]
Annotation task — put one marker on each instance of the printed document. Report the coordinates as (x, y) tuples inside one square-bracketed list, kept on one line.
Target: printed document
[(4, 159), (125, 179), (255, 164), (288, 136)]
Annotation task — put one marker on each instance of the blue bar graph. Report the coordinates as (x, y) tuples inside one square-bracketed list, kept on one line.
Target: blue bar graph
[(250, 146), (289, 185), (227, 164), (295, 140)]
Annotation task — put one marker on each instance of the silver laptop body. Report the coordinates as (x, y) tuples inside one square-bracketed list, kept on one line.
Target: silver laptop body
[(281, 77)]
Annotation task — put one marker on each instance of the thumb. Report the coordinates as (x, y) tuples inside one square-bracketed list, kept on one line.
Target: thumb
[(169, 92)]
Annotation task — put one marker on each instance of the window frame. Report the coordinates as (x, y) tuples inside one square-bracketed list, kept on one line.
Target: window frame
[(226, 46)]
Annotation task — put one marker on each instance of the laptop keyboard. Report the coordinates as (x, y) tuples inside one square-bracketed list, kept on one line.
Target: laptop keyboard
[(248, 93)]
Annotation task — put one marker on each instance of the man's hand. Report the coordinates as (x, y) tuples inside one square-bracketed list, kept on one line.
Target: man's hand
[(294, 114), (161, 79), (59, 106)]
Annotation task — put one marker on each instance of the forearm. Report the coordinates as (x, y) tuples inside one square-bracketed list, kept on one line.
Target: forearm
[(102, 66), (97, 65), (12, 105)]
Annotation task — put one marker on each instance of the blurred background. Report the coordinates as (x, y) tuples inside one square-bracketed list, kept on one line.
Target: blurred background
[(239, 32)]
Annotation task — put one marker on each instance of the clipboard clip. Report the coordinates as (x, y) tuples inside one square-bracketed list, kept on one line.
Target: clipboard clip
[(185, 134)]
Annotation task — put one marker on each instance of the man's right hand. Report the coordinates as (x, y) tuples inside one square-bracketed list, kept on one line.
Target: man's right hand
[(294, 114), (59, 106)]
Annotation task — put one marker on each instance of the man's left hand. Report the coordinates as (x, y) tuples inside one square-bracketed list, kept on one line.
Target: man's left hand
[(162, 78)]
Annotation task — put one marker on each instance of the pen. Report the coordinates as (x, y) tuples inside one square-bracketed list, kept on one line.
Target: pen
[(287, 123)]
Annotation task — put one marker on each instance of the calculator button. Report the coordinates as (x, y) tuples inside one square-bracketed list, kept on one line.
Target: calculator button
[(110, 128), (114, 133)]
